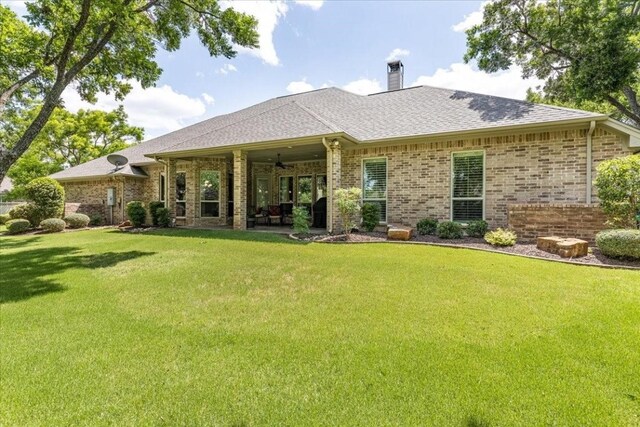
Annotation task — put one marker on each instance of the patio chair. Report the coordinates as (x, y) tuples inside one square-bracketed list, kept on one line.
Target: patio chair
[(287, 213), (275, 215)]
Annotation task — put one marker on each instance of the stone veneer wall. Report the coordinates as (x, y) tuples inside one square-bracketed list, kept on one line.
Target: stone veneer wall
[(541, 167), (563, 220)]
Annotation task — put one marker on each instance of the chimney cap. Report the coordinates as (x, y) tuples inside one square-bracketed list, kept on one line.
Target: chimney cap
[(395, 65)]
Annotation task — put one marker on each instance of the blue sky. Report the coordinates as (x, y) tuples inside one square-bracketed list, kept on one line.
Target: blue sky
[(307, 45)]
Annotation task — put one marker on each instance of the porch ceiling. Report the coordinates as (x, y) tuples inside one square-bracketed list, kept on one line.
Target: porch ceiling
[(295, 153)]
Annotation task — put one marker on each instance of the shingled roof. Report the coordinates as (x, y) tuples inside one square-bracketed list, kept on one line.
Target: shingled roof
[(408, 112)]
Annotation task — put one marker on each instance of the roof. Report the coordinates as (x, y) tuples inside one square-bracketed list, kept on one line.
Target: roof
[(416, 111)]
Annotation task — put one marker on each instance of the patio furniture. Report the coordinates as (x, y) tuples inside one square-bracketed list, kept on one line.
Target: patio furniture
[(287, 213), (262, 217), (274, 215), (320, 213)]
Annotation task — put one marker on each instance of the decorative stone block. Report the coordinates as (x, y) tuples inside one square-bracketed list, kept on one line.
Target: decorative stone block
[(549, 244), (395, 232), (566, 248)]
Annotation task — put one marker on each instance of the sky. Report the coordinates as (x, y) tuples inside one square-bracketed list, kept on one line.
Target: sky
[(306, 45)]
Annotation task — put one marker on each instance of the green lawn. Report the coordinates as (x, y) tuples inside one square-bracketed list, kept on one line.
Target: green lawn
[(228, 328)]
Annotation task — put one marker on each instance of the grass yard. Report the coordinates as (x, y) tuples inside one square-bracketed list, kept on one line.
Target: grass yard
[(228, 328)]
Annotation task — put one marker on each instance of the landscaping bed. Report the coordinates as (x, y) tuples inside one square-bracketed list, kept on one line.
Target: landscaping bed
[(525, 248)]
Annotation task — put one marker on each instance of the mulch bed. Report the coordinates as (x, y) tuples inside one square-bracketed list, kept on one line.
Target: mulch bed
[(595, 257)]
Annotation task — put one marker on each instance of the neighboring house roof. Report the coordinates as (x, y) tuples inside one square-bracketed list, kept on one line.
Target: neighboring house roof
[(408, 112), (6, 185)]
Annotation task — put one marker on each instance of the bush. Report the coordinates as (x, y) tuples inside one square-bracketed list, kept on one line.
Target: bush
[(449, 230), (300, 220), (619, 243), (500, 237), (153, 210), (4, 218), (16, 226), (96, 220), (136, 213), (77, 220), (370, 216), (48, 197), (164, 217), (477, 228), (53, 225), (618, 183), (23, 211), (348, 201), (427, 226)]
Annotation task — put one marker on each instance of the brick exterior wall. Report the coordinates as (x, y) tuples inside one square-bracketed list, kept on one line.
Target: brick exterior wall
[(542, 167), (563, 220)]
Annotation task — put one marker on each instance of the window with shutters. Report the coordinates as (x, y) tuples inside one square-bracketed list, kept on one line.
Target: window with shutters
[(374, 184), (467, 186)]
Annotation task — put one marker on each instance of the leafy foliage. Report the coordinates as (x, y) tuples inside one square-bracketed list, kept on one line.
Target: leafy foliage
[(96, 220), (370, 216), (348, 202), (53, 225), (47, 196), (23, 211), (4, 218), (449, 230), (98, 46), (164, 217), (136, 213), (77, 220), (477, 228), (427, 226), (16, 226), (586, 51), (153, 210), (501, 237), (300, 220), (619, 243), (618, 183)]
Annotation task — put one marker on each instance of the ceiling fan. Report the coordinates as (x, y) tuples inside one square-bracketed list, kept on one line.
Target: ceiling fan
[(281, 165)]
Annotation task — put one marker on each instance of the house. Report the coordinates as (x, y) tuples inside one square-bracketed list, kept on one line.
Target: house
[(416, 152)]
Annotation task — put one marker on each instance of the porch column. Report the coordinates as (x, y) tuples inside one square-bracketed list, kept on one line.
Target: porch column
[(334, 172), (170, 183), (239, 190)]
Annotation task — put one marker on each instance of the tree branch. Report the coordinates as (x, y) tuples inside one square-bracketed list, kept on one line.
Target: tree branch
[(6, 94), (624, 110)]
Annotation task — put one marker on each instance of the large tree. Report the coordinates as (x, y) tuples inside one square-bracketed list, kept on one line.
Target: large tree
[(98, 46), (587, 51)]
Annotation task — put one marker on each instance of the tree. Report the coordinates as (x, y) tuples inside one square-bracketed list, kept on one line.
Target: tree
[(618, 183), (98, 46), (587, 51)]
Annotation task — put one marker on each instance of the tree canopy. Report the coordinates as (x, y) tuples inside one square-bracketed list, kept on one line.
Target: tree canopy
[(587, 51), (98, 46)]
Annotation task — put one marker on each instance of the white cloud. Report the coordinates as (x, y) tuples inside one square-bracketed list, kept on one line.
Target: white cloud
[(363, 86), (313, 4), (199, 74), (508, 83), (268, 13), (157, 109), (226, 69), (474, 18), (397, 53), (299, 86), (19, 7), (208, 98)]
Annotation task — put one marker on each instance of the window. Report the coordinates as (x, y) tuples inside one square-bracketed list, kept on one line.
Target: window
[(209, 193), (305, 190), (286, 189), (181, 194), (374, 184), (321, 186), (467, 186), (262, 192), (162, 187)]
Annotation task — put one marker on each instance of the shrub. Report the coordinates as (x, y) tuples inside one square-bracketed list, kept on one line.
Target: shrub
[(53, 225), (164, 217), (618, 183), (348, 201), (4, 218), (427, 226), (370, 216), (449, 230), (500, 237), (153, 211), (77, 220), (136, 213), (619, 243), (477, 228), (23, 211), (96, 220), (16, 226), (48, 197), (300, 220)]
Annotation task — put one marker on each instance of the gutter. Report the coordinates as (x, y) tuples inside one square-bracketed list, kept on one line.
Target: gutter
[(592, 127)]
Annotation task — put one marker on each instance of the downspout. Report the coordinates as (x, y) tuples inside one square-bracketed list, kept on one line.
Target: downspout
[(329, 186), (592, 127)]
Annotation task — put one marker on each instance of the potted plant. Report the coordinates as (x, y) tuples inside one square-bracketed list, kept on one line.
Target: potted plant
[(251, 217)]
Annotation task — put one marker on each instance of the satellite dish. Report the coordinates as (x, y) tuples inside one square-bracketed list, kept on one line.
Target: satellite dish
[(117, 160)]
